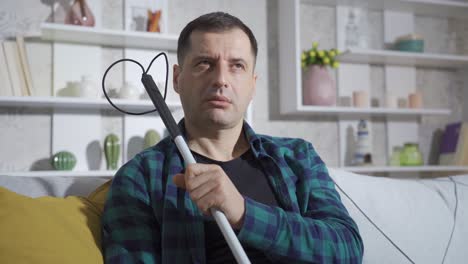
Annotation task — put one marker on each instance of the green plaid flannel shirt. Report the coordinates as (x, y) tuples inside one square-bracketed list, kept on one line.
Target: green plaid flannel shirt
[(147, 219)]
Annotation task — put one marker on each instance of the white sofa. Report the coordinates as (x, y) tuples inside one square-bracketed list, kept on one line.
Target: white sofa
[(416, 214)]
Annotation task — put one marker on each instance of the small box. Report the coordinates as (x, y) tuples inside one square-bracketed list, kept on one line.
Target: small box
[(412, 43)]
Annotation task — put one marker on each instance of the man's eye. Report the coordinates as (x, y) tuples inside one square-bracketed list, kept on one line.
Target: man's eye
[(239, 66), (204, 62)]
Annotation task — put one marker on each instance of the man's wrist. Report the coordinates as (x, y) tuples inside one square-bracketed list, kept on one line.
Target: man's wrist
[(238, 223)]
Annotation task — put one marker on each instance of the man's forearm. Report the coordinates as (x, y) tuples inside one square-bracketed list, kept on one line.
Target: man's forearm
[(332, 238)]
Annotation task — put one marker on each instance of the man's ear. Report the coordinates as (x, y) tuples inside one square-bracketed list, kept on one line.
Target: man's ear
[(175, 77), (254, 87)]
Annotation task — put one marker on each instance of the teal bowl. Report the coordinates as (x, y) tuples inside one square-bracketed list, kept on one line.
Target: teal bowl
[(412, 45)]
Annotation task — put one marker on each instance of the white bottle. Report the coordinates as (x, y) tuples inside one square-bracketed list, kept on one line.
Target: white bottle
[(362, 154)]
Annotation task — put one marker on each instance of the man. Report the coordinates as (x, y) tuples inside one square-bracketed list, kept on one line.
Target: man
[(275, 192)]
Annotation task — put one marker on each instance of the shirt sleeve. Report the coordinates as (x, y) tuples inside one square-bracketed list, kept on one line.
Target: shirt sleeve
[(322, 233), (130, 233)]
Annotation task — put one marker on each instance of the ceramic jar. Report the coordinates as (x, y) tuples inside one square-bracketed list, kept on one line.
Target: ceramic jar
[(411, 156), (88, 87), (129, 91)]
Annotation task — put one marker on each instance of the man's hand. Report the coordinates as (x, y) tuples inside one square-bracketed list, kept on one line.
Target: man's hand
[(210, 187)]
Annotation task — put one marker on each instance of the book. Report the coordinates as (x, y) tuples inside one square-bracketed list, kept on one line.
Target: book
[(454, 145), (462, 146), (15, 69), (40, 59), (5, 85), (24, 63)]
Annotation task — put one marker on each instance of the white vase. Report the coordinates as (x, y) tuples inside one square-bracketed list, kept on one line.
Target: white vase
[(88, 87), (129, 91), (74, 88)]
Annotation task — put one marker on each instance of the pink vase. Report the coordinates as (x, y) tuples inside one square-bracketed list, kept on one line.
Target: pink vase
[(318, 88), (80, 14)]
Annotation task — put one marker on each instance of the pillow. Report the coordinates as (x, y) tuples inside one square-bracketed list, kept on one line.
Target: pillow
[(50, 229)]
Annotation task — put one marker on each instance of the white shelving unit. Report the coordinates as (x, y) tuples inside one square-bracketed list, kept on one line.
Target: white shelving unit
[(77, 122), (390, 57), (77, 51), (402, 169), (107, 37), (92, 173), (290, 70), (402, 124), (81, 103)]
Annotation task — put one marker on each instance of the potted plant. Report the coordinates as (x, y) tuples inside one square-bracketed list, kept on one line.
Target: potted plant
[(318, 88)]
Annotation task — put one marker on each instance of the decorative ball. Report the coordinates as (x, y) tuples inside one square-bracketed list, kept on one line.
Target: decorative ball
[(63, 160)]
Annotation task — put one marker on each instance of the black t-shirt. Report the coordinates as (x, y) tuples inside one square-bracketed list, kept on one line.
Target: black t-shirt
[(250, 180)]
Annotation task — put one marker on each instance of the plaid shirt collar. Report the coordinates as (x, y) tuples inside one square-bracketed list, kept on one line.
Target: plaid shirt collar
[(252, 137)]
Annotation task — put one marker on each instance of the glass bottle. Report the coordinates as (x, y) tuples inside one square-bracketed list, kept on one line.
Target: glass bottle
[(352, 31), (363, 155), (395, 158)]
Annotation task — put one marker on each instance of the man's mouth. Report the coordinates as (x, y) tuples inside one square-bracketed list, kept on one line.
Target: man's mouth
[(219, 101)]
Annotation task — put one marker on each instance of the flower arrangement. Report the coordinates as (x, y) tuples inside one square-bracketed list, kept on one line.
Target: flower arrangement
[(314, 56)]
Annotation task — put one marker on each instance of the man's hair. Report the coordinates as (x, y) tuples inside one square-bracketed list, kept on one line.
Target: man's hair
[(212, 22)]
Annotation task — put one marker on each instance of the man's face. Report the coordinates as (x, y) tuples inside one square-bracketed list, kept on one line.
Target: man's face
[(216, 80)]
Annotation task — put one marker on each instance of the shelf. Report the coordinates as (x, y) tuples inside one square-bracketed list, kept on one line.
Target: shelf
[(390, 57), (102, 173), (80, 103), (353, 111), (429, 168), (437, 8), (108, 37), (290, 72)]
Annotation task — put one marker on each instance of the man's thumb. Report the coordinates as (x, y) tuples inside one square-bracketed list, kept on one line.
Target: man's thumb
[(179, 180)]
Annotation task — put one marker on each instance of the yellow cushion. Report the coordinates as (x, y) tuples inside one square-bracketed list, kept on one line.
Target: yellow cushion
[(51, 229), (98, 196)]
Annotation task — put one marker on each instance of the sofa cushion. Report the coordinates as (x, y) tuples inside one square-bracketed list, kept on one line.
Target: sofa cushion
[(416, 214), (49, 229), (99, 196), (51, 186)]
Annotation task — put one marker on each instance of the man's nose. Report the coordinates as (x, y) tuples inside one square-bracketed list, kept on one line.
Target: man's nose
[(220, 75)]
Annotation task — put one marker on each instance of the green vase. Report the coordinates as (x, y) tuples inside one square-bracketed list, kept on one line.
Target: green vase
[(151, 138), (63, 160), (112, 151), (395, 159)]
